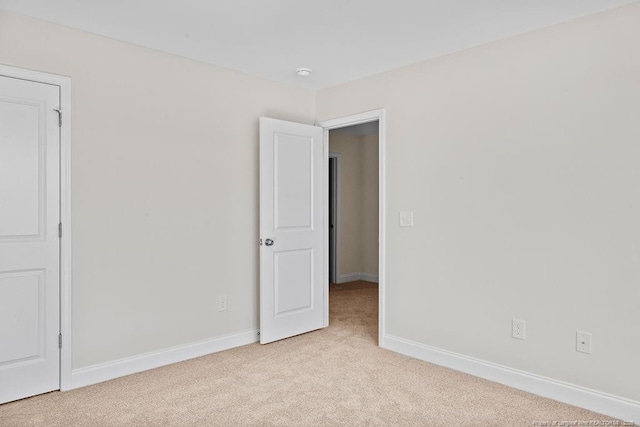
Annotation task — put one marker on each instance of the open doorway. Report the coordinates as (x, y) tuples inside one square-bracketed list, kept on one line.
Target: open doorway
[(353, 203), (294, 226), (354, 222)]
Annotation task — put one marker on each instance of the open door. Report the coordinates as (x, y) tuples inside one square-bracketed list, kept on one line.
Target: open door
[(293, 289)]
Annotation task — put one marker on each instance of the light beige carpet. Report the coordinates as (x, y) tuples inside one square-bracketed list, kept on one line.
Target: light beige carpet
[(335, 376)]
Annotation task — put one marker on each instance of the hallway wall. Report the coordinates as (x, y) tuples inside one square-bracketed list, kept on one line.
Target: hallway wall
[(358, 205)]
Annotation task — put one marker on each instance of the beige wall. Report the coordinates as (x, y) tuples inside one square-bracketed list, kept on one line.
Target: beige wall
[(358, 204), (521, 161), (349, 204), (165, 187)]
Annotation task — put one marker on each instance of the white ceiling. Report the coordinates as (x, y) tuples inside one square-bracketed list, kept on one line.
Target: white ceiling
[(341, 40)]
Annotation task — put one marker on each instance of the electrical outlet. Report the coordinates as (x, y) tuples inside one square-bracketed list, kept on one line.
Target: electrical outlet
[(406, 218), (583, 342), (222, 303), (518, 328)]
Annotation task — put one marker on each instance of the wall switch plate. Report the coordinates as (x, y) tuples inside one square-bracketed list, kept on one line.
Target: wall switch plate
[(583, 342), (406, 218), (518, 328), (222, 303)]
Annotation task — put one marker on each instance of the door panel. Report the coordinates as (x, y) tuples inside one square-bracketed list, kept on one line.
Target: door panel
[(21, 311), (293, 182), (29, 244), (293, 289), (293, 282), (21, 205)]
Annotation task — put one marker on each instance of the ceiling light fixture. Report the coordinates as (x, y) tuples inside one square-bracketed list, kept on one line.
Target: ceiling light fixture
[(303, 72)]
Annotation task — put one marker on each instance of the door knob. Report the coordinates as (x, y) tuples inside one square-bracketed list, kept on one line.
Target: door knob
[(268, 242)]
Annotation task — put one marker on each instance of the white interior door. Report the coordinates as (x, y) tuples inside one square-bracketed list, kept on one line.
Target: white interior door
[(293, 288), (29, 244)]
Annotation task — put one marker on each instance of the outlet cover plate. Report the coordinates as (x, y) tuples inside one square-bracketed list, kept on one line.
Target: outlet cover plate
[(406, 218), (583, 342), (518, 329), (222, 303)]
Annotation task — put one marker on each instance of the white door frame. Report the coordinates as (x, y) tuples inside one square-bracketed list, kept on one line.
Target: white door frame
[(351, 120), (64, 83)]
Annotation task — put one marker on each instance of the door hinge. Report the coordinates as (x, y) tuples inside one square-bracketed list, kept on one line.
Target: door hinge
[(60, 341), (59, 111), (60, 230)]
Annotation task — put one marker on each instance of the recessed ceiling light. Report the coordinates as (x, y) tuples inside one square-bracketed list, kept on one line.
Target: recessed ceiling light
[(303, 72)]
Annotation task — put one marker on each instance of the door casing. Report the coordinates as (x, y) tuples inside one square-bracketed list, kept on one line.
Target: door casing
[(351, 120), (64, 83)]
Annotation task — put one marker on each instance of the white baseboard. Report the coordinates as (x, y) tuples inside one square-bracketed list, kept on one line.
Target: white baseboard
[(352, 277), (571, 394), (369, 277), (131, 365)]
